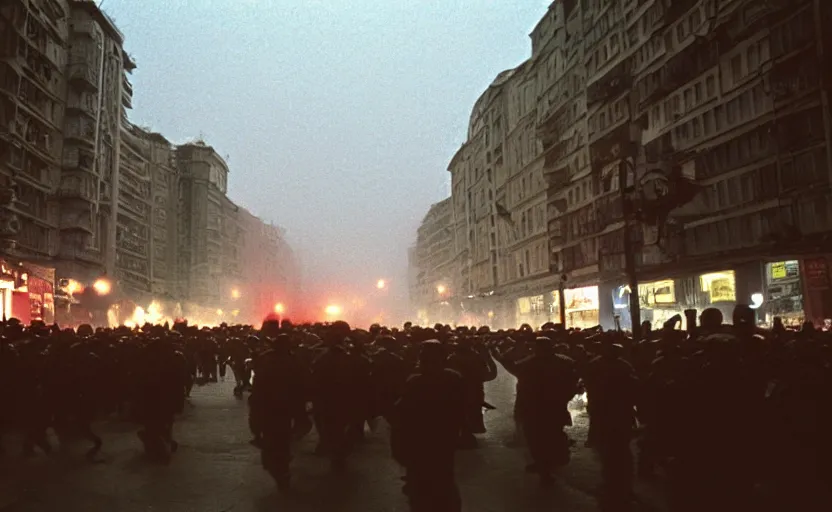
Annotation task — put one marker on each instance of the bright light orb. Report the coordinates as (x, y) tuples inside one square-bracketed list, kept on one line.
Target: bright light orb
[(102, 287), (333, 310), (279, 308), (441, 289), (73, 287), (381, 284), (235, 293)]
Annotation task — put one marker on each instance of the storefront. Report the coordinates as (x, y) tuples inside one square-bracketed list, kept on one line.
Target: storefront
[(554, 307), (531, 310), (27, 292), (582, 307), (6, 290), (659, 303), (783, 296)]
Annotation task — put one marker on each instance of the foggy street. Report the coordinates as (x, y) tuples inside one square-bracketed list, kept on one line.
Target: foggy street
[(216, 470)]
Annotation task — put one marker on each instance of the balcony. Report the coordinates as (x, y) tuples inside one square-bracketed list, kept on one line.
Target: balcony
[(83, 75), (77, 186), (87, 27), (77, 220), (82, 104), (77, 158), (80, 129)]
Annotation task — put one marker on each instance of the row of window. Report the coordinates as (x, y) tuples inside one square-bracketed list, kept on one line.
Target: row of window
[(611, 114), (737, 152), (752, 186), (529, 261), (689, 25), (737, 232), (682, 102), (747, 106)]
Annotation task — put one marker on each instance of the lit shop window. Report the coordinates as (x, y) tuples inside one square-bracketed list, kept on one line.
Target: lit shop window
[(659, 292), (720, 286)]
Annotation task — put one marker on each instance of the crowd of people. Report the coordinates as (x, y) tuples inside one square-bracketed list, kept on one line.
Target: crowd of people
[(729, 416)]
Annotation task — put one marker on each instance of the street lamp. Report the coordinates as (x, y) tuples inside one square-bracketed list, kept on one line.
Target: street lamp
[(626, 167)]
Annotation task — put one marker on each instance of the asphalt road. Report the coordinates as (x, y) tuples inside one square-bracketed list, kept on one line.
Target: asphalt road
[(216, 470)]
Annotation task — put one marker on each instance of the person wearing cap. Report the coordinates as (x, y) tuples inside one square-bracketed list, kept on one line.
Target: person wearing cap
[(426, 423)]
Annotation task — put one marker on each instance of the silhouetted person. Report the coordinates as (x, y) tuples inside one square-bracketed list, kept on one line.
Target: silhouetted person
[(426, 425), (277, 398), (546, 381)]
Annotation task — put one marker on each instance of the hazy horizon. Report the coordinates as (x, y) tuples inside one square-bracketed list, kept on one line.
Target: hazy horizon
[(338, 119)]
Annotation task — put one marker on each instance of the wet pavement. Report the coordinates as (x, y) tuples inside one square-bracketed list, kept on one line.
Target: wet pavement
[(216, 470)]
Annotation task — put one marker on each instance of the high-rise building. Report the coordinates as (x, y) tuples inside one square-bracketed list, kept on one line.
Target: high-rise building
[(90, 178), (210, 238), (433, 262), (149, 193), (33, 52)]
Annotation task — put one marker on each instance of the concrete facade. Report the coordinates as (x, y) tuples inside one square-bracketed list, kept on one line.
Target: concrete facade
[(210, 236), (696, 123), (33, 67)]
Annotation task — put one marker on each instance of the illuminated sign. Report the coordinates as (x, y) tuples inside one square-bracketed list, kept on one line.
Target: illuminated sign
[(720, 286), (785, 269)]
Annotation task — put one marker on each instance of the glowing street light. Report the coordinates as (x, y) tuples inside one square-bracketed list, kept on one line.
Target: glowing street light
[(333, 310), (279, 308), (381, 284), (102, 287), (235, 293)]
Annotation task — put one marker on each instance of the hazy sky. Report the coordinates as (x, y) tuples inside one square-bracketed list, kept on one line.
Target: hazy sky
[(338, 117)]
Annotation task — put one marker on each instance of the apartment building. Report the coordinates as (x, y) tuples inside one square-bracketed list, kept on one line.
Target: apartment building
[(694, 132), (33, 55), (89, 185), (207, 223), (433, 287)]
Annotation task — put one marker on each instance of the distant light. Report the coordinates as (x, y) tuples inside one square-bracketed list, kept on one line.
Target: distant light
[(73, 286), (381, 284), (279, 308), (757, 300), (235, 293), (333, 310), (490, 314), (102, 287), (219, 312), (441, 289)]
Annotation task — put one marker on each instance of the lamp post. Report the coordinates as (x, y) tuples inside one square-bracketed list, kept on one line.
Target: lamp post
[(626, 167)]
